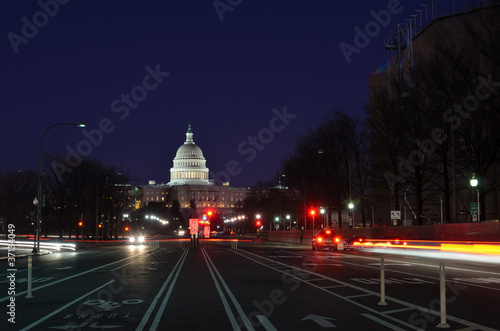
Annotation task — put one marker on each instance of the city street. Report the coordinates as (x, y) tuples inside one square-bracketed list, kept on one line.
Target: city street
[(252, 285)]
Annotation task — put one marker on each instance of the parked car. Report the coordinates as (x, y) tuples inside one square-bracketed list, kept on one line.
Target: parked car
[(325, 238), (354, 242)]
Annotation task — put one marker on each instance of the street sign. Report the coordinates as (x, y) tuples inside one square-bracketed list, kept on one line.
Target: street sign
[(395, 214), (193, 225), (474, 209)]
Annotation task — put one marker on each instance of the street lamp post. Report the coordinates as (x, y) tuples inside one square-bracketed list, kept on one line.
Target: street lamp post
[(351, 215), (474, 182), (36, 240), (322, 211), (321, 151), (312, 213)]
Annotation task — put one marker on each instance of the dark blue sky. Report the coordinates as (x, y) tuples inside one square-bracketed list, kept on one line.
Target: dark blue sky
[(224, 76)]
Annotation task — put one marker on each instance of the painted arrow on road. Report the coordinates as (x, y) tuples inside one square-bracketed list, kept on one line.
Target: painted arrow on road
[(94, 325), (320, 320)]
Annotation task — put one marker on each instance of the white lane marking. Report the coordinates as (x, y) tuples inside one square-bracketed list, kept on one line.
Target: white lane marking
[(401, 302), (213, 270), (428, 265), (266, 323), (409, 273), (70, 277), (160, 292), (160, 311), (322, 321), (65, 306), (384, 323), (225, 303)]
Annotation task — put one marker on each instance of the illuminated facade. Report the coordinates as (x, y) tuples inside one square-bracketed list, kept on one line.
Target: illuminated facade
[(189, 164), (189, 183)]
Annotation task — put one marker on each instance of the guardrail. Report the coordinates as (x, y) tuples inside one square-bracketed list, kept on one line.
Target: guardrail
[(153, 245)]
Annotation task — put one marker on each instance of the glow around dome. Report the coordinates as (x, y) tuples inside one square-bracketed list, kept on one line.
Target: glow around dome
[(189, 164)]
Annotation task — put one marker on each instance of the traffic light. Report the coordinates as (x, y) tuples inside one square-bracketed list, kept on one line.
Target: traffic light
[(313, 212), (258, 223), (126, 228), (209, 213), (99, 226), (80, 223)]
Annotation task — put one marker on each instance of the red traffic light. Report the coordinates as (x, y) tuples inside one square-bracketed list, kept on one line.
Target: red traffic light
[(313, 212), (258, 223), (99, 226), (126, 228), (209, 213), (80, 223)]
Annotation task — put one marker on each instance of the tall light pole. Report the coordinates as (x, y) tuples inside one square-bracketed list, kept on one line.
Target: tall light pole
[(351, 204), (322, 211), (474, 182), (312, 213), (36, 240), (351, 215)]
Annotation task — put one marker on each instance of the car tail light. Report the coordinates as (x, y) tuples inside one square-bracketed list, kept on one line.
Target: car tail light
[(328, 231)]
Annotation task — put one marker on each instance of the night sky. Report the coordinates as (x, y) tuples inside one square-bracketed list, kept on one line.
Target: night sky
[(137, 72)]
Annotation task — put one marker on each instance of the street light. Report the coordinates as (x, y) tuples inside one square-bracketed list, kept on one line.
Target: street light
[(312, 213), (351, 216), (474, 183), (322, 151), (36, 240)]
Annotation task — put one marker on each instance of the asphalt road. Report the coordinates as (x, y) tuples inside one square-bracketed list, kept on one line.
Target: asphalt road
[(260, 285)]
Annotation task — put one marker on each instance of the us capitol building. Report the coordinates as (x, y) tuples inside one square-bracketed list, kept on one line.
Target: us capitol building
[(189, 181)]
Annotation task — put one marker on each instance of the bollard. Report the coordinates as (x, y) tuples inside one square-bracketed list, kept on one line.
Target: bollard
[(30, 270), (442, 297), (382, 283)]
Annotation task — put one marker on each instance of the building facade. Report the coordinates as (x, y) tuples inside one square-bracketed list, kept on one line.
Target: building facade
[(431, 184), (190, 183)]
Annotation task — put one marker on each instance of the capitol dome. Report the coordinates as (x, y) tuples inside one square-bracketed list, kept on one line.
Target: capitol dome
[(189, 164)]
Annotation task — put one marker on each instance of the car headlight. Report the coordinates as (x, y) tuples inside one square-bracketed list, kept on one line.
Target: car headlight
[(141, 239), (132, 239)]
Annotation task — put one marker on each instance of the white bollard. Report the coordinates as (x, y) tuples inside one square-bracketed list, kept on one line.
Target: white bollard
[(30, 276), (442, 296), (382, 283)]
